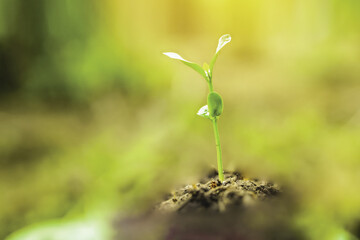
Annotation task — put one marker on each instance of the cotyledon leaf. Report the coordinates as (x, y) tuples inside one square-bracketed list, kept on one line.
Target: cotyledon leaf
[(224, 39), (194, 66), (215, 104)]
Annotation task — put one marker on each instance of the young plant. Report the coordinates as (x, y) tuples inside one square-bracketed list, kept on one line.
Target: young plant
[(214, 106)]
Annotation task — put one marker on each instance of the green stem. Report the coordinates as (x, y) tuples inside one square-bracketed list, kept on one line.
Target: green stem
[(217, 140), (210, 86), (218, 150)]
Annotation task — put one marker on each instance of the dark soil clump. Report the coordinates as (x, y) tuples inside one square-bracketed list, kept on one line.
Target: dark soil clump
[(213, 196), (237, 209)]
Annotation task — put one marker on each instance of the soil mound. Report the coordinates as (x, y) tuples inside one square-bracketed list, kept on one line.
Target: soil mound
[(212, 195)]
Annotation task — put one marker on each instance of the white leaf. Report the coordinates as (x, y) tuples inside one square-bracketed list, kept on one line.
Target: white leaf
[(175, 56), (204, 112), (224, 39), (194, 66)]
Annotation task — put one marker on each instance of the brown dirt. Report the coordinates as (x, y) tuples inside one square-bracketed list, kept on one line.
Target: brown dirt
[(237, 209), (213, 196)]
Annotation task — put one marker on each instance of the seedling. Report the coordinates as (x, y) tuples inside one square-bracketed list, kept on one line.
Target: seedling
[(214, 106)]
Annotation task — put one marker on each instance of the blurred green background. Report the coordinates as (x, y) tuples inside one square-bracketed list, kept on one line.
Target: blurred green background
[(95, 121)]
